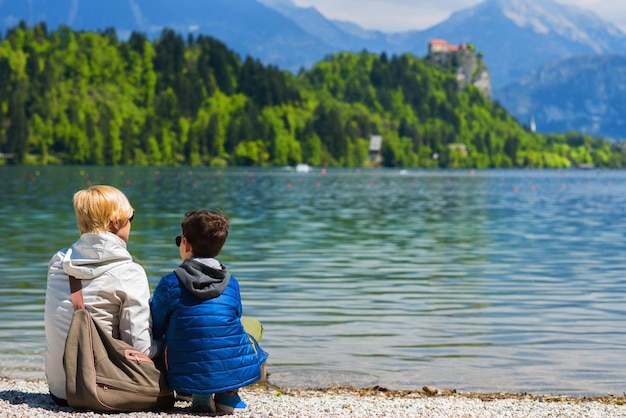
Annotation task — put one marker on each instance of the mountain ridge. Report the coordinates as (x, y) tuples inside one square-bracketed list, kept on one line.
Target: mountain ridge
[(594, 107), (515, 37), (280, 33)]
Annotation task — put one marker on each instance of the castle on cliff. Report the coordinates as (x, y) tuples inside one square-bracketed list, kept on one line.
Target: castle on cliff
[(462, 59), (439, 45)]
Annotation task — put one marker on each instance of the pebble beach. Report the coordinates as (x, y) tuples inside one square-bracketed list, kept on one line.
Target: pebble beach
[(29, 398)]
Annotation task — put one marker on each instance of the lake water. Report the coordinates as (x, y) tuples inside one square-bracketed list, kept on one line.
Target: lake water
[(481, 281)]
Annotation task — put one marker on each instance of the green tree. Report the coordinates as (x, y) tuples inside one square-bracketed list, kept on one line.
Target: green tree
[(17, 132)]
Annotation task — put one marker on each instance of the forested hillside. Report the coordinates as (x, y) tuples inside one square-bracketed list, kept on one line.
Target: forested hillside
[(71, 97)]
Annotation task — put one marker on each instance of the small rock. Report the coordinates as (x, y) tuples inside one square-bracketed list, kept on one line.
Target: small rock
[(430, 390)]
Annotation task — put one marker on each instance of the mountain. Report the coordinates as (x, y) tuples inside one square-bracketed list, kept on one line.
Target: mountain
[(246, 26), (584, 93), (517, 36), (343, 36), (88, 15)]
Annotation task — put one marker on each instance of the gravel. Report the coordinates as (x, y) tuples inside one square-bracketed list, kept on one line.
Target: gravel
[(29, 398)]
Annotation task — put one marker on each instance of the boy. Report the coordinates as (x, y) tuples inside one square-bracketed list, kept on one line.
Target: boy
[(196, 310)]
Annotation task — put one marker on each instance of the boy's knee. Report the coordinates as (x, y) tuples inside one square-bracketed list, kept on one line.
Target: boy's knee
[(253, 327)]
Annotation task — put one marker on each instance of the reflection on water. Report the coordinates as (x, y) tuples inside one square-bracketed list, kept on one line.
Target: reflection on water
[(494, 280)]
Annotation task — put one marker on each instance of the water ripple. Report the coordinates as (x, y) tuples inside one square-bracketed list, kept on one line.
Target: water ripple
[(498, 281)]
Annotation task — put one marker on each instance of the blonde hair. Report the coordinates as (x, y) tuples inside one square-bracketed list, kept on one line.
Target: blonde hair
[(97, 206)]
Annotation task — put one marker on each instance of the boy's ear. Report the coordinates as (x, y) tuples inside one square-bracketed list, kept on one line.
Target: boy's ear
[(187, 245)]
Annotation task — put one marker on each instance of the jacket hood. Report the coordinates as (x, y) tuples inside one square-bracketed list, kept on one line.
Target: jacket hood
[(95, 254), (204, 277)]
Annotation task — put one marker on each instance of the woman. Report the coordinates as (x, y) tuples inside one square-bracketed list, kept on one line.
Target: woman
[(115, 289)]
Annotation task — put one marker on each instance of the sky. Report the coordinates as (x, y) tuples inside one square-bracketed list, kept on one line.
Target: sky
[(401, 15)]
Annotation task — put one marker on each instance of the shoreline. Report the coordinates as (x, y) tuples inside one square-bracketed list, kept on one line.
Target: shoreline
[(29, 397)]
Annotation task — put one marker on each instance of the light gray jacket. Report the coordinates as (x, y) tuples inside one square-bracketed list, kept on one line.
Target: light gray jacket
[(115, 291)]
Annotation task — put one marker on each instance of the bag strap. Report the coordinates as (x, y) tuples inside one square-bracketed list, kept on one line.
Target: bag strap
[(76, 288)]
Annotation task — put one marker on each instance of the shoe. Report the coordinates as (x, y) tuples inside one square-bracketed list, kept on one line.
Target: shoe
[(182, 396), (202, 402), (229, 401)]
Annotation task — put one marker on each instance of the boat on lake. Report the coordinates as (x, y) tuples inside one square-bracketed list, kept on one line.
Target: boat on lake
[(303, 168)]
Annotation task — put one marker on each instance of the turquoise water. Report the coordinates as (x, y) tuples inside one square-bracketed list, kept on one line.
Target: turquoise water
[(482, 281)]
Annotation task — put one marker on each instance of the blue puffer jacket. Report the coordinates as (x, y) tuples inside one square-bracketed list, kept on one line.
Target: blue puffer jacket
[(196, 311)]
